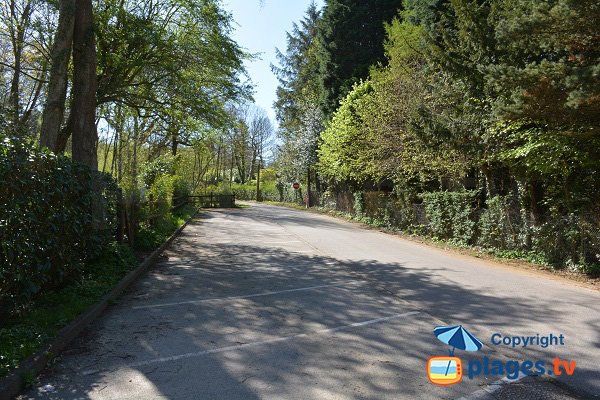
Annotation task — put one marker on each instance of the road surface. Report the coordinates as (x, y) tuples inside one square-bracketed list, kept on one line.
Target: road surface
[(273, 303)]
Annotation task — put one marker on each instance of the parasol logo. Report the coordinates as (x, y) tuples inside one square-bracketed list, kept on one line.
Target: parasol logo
[(448, 370)]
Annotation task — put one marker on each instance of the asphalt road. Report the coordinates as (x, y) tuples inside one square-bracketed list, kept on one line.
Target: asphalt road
[(272, 303)]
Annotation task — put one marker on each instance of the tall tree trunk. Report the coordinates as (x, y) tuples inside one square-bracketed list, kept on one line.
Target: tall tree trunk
[(85, 135), (57, 86), (174, 142), (17, 31), (536, 197), (489, 180)]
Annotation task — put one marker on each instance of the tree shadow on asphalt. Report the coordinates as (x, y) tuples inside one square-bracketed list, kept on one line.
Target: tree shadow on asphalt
[(380, 361)]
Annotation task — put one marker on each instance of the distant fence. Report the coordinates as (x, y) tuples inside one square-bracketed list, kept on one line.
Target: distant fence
[(213, 200)]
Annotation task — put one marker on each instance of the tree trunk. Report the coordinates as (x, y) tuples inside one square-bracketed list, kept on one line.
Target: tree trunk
[(17, 39), (231, 169), (57, 86), (174, 143), (489, 180), (536, 197), (85, 135)]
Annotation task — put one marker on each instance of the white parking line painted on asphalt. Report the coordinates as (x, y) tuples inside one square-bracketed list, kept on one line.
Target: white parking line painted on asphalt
[(248, 296), (263, 342), (254, 242), (226, 269), (282, 242)]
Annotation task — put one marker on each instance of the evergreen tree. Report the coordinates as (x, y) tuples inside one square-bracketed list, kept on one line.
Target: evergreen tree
[(550, 63), (351, 37), (301, 121), (297, 70)]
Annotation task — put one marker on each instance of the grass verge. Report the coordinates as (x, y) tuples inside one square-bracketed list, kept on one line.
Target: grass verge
[(22, 336)]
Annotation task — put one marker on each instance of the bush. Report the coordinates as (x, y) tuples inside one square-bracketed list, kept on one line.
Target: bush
[(496, 230), (359, 204), (159, 200), (569, 241), (55, 215), (450, 215), (403, 211)]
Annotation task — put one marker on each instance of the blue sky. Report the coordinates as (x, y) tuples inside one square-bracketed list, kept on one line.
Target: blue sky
[(260, 27)]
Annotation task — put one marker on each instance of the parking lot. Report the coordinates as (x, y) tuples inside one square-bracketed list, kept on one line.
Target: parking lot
[(248, 304)]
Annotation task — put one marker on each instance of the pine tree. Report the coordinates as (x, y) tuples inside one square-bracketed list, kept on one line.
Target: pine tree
[(351, 37), (297, 70)]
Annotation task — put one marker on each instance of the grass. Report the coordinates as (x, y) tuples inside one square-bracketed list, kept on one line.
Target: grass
[(150, 237), (22, 336)]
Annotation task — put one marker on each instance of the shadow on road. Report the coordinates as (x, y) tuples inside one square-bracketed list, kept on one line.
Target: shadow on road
[(382, 361)]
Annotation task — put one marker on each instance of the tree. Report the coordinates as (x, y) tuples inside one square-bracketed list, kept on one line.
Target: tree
[(350, 40), (85, 82), (344, 152), (549, 62), (25, 27), (297, 72), (301, 121)]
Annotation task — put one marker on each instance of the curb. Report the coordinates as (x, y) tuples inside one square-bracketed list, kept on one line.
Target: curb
[(11, 385)]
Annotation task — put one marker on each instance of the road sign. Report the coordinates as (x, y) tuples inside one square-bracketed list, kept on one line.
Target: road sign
[(296, 186)]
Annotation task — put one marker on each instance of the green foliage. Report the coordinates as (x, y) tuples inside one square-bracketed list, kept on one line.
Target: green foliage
[(300, 119), (344, 155), (350, 41), (570, 241), (183, 65), (450, 215), (55, 216), (297, 72), (159, 198), (153, 233), (359, 204), (549, 62), (496, 229), (163, 165), (21, 336)]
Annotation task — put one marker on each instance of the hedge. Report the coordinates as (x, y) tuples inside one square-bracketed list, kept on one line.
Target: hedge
[(54, 215)]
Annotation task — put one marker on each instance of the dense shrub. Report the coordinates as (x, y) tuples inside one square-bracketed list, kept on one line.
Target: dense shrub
[(498, 227), (450, 215), (159, 200), (572, 241), (359, 204), (54, 215)]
